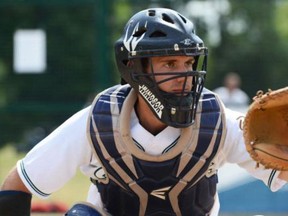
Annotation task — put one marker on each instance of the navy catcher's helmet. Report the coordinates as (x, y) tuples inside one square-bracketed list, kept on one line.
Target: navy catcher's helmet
[(162, 32)]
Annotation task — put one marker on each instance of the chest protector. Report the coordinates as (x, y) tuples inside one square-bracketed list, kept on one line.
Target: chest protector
[(175, 183)]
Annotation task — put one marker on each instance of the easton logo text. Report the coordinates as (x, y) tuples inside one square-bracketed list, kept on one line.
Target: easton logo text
[(160, 193)]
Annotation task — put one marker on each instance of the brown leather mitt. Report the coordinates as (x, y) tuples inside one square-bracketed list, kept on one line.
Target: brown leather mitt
[(266, 129)]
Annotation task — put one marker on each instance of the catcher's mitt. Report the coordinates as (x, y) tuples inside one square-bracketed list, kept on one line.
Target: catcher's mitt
[(266, 129)]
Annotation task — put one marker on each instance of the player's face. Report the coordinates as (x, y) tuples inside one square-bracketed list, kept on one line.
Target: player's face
[(172, 64)]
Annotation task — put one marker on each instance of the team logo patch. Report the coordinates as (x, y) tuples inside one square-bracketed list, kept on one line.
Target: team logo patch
[(131, 42), (187, 41), (161, 193), (100, 174)]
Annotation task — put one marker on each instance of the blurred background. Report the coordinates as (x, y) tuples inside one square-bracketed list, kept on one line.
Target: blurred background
[(56, 55)]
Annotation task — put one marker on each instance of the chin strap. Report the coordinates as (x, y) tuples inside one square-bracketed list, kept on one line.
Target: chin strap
[(15, 203)]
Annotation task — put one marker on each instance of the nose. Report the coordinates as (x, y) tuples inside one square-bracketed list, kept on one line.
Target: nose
[(182, 70), (181, 79)]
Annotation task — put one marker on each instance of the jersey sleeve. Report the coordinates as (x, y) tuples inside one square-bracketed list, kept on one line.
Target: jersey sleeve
[(55, 160), (234, 151)]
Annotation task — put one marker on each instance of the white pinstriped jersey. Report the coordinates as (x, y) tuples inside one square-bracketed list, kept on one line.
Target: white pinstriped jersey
[(55, 160)]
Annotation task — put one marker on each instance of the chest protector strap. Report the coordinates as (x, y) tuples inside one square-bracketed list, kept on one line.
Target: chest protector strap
[(175, 183)]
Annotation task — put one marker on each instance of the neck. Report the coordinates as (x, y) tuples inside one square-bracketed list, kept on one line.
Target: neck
[(147, 118)]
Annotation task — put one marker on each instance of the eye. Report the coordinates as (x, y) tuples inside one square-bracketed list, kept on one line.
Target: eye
[(190, 63), (170, 64)]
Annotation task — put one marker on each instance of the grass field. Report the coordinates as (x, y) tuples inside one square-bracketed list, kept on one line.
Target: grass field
[(74, 191)]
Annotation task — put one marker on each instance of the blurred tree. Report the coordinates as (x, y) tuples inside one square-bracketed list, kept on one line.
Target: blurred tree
[(245, 40), (250, 39), (77, 64), (280, 23), (260, 49), (255, 51)]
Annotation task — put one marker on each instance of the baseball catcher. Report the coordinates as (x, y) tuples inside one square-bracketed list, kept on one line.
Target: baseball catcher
[(153, 144)]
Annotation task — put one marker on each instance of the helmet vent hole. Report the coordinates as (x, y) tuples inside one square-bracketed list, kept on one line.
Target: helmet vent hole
[(140, 31), (157, 34), (151, 13), (167, 18), (184, 20)]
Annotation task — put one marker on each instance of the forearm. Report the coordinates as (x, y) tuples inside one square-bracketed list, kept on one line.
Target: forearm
[(15, 198), (13, 182)]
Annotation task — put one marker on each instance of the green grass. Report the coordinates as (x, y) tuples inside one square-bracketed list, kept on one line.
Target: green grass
[(73, 191)]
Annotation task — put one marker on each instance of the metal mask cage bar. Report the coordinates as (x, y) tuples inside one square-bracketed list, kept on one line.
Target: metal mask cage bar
[(194, 51)]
